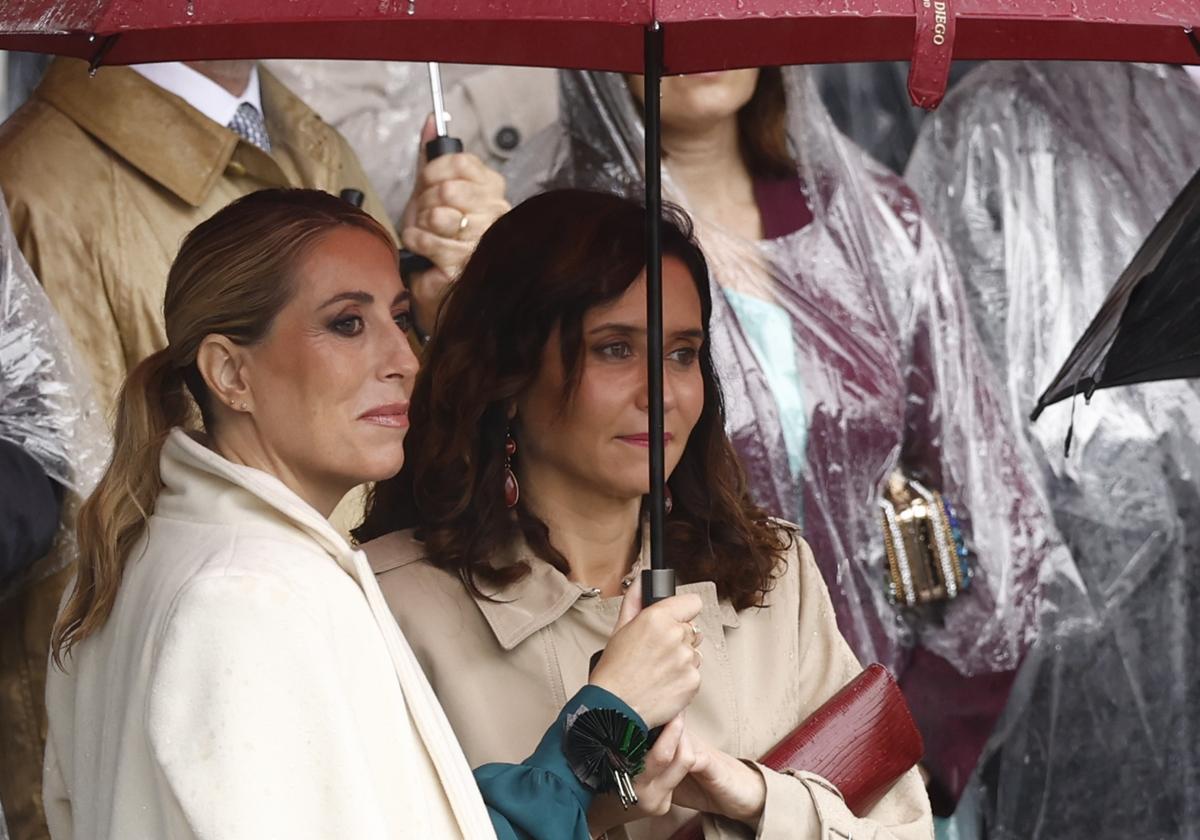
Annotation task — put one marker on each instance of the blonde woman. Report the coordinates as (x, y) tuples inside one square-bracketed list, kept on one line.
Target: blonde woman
[(225, 664)]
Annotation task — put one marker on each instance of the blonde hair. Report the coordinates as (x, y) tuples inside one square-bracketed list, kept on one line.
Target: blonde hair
[(232, 276)]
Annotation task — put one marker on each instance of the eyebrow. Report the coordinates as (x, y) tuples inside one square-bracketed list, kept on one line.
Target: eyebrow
[(365, 298), (629, 329)]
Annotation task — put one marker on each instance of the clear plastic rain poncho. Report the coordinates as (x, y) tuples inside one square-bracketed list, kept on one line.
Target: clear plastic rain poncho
[(845, 352), (1046, 178), (46, 402), (869, 103)]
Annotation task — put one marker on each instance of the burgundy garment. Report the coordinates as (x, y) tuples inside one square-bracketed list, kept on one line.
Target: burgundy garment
[(956, 716), (782, 205), (869, 389)]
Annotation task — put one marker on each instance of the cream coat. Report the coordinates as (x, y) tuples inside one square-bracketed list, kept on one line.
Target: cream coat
[(104, 177), (249, 684), (502, 669)]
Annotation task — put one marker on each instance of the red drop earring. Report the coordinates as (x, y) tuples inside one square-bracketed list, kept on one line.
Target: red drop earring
[(512, 490)]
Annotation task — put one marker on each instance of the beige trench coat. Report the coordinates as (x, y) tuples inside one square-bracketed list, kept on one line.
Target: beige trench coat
[(380, 107), (503, 669), (104, 176)]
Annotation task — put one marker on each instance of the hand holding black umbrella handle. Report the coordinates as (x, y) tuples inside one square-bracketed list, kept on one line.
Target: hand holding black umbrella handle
[(441, 144), (657, 585)]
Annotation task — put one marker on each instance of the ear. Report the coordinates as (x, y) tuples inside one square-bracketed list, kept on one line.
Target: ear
[(222, 363)]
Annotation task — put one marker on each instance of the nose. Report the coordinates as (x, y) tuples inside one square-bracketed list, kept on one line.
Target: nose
[(398, 359), (642, 400)]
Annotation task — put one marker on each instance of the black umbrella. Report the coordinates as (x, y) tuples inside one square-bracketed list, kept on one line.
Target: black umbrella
[(1149, 327)]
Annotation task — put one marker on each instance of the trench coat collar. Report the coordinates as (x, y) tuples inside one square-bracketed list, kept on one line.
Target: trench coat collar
[(541, 597), (201, 486), (168, 140)]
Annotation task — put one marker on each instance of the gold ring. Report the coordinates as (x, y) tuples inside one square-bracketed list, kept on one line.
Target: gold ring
[(695, 633), (464, 223)]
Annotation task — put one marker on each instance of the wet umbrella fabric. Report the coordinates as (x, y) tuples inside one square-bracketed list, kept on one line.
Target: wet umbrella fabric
[(606, 34)]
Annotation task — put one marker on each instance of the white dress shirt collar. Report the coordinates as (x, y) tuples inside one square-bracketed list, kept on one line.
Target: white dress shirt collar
[(201, 92)]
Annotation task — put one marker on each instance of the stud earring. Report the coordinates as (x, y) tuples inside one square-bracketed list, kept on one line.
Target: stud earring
[(512, 490)]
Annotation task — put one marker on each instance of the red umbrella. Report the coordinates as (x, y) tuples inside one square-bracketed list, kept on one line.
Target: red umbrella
[(605, 34), (650, 36)]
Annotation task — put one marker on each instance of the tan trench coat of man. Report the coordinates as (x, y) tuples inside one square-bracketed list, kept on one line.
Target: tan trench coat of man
[(104, 176)]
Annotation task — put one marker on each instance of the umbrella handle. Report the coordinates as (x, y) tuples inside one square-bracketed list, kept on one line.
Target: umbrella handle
[(442, 145), (657, 585), (411, 263)]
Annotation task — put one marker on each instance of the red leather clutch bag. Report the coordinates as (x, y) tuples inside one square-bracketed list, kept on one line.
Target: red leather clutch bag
[(862, 741)]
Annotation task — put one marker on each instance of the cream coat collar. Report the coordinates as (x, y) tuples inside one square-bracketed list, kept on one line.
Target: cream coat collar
[(200, 485)]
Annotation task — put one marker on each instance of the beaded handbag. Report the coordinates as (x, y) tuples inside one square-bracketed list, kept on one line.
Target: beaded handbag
[(927, 557)]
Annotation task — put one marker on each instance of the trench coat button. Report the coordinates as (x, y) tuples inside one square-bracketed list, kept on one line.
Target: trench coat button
[(508, 138)]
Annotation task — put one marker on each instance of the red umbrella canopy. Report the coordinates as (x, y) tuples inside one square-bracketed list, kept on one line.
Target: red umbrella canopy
[(568, 33), (673, 36), (607, 34), (768, 32)]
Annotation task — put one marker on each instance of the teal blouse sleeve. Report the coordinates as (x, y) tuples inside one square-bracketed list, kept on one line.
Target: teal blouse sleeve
[(540, 799)]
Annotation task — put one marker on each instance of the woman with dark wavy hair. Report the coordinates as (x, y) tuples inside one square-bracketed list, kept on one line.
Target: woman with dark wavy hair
[(505, 543)]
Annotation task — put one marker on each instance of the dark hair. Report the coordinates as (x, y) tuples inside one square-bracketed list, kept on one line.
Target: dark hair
[(762, 128), (544, 265)]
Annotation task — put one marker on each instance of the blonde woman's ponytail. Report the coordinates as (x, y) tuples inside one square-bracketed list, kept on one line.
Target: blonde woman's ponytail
[(152, 401)]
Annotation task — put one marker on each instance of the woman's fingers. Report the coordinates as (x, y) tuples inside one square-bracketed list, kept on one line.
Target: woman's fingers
[(681, 608), (463, 166), (446, 222), (681, 764), (631, 604), (667, 764), (446, 253), (467, 196), (663, 752), (650, 662)]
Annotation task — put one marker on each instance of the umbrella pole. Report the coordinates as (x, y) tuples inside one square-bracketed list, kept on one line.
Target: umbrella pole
[(658, 581)]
